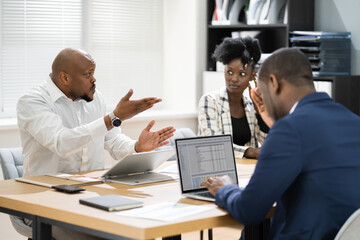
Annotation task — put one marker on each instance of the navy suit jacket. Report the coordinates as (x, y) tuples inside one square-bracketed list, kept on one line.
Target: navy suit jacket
[(310, 166)]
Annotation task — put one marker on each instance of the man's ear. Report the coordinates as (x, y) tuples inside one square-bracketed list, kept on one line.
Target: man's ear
[(274, 84), (64, 78)]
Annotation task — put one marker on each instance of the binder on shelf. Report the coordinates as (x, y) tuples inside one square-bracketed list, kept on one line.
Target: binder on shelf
[(237, 13), (277, 11), (254, 7), (258, 11), (224, 10), (249, 12), (264, 14), (221, 12), (231, 3)]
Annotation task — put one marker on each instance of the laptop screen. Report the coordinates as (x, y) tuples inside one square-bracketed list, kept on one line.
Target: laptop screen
[(202, 157)]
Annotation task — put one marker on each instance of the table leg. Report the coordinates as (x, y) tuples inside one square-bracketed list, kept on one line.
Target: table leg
[(210, 232), (176, 237), (43, 230), (258, 231)]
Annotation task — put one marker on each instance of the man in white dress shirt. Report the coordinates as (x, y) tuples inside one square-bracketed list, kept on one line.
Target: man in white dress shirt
[(64, 126)]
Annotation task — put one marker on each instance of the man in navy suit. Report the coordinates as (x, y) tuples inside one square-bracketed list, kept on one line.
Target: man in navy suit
[(309, 164)]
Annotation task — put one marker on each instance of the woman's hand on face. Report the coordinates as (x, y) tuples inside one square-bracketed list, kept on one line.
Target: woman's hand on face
[(256, 98), (259, 105)]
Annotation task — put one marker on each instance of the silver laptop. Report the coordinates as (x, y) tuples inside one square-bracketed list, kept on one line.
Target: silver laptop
[(202, 157), (137, 168)]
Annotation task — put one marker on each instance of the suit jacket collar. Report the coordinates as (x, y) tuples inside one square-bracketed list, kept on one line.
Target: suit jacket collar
[(312, 97)]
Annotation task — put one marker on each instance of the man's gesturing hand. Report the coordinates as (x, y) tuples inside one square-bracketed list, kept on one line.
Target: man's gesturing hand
[(127, 108), (149, 141)]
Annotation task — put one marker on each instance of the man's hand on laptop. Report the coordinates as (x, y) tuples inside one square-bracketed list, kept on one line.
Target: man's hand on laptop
[(149, 141), (213, 184)]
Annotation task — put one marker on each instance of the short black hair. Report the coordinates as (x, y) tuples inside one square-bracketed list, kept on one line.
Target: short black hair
[(289, 64), (247, 49)]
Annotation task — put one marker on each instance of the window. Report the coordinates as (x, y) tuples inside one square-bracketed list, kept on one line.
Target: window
[(124, 38)]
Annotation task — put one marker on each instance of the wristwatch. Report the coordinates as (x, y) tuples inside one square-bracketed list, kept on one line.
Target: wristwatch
[(116, 122)]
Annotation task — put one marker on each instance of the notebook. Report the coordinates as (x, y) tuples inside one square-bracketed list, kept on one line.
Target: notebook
[(202, 157), (137, 168), (111, 202)]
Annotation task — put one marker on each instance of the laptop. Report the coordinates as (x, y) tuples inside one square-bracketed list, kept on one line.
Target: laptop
[(137, 168), (202, 157)]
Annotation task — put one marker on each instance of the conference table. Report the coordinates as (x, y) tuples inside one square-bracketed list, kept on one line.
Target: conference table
[(47, 207)]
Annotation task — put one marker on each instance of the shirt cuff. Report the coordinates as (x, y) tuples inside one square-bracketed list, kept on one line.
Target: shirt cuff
[(132, 149), (97, 128), (221, 194)]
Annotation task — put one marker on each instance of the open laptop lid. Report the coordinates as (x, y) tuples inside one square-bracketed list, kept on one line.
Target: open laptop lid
[(203, 157), (139, 163)]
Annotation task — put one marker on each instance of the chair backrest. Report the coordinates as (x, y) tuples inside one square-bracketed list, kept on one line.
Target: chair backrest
[(351, 228), (11, 160), (179, 133)]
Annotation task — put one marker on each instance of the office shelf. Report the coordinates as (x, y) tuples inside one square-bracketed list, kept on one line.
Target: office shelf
[(300, 16)]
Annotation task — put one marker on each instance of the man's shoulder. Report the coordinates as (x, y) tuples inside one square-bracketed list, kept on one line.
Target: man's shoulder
[(39, 92)]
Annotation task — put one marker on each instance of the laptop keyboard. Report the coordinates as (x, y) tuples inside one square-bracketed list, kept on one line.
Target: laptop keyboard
[(205, 194)]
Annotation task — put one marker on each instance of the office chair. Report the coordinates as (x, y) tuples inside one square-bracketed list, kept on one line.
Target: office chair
[(179, 133), (351, 228), (11, 160)]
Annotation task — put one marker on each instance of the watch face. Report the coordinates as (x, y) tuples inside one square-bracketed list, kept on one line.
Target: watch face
[(116, 122)]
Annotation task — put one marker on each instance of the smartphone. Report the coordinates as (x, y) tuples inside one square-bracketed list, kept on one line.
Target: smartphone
[(68, 188)]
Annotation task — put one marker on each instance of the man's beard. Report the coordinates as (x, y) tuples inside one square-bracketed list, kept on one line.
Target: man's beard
[(86, 98)]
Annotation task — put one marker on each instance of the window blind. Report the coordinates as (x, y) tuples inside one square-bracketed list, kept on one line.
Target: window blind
[(126, 43), (124, 38), (32, 33)]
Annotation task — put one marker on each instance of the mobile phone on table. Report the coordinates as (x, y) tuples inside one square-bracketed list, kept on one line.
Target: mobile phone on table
[(68, 188)]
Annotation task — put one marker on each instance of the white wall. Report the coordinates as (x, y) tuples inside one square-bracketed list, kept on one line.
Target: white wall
[(341, 16), (184, 52)]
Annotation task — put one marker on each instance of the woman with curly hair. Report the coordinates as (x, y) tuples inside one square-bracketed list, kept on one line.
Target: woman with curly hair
[(231, 110)]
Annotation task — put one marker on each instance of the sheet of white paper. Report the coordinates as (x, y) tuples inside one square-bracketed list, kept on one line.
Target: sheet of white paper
[(243, 182), (80, 178), (166, 211), (173, 168)]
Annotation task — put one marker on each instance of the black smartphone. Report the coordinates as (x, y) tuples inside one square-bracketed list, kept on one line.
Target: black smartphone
[(68, 188)]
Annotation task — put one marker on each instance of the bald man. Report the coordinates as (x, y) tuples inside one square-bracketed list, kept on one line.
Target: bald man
[(64, 125), (309, 163)]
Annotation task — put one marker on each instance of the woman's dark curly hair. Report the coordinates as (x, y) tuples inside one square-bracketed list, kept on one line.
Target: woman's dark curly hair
[(247, 49)]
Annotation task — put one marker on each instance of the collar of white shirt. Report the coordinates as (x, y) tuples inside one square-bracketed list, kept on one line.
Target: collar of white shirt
[(54, 92), (293, 107)]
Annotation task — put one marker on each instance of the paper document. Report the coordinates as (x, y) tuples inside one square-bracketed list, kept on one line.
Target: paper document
[(243, 182), (171, 171), (166, 211), (79, 178), (173, 168)]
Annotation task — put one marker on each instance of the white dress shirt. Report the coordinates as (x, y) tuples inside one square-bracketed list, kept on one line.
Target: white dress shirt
[(59, 135)]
